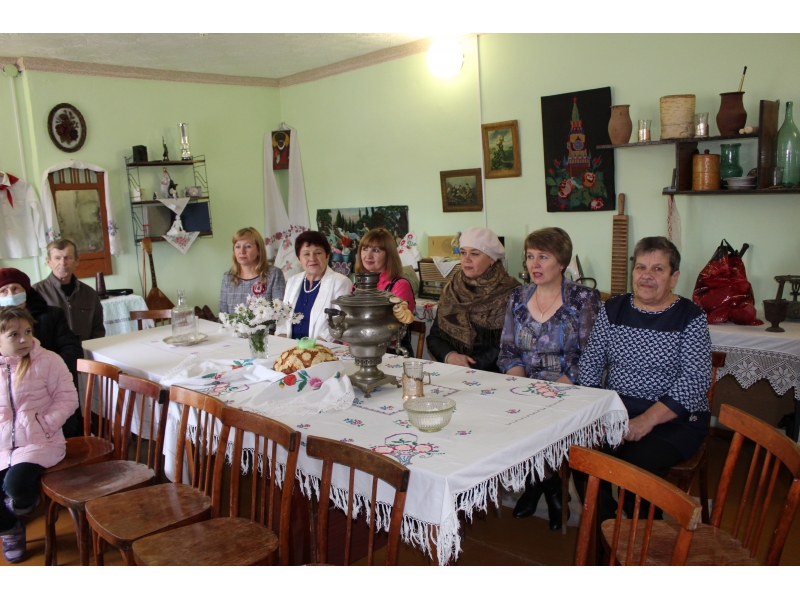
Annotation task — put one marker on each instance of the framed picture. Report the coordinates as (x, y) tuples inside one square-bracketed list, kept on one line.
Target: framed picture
[(501, 156), (280, 150), (66, 127), (462, 190)]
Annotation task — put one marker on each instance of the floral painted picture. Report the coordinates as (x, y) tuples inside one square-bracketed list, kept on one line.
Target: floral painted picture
[(578, 176)]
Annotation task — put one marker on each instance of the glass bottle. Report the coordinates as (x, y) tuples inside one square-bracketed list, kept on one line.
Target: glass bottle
[(788, 149), (182, 320), (729, 164)]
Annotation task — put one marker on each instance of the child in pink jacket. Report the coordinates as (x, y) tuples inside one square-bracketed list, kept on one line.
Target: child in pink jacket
[(36, 397)]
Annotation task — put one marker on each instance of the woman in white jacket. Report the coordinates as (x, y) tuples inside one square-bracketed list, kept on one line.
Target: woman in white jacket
[(312, 291)]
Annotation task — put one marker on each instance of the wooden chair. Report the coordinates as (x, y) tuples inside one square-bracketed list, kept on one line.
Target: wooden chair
[(657, 540), (380, 467), (163, 316), (123, 518), (697, 466), (714, 546), (419, 328), (233, 540), (93, 447), (73, 488)]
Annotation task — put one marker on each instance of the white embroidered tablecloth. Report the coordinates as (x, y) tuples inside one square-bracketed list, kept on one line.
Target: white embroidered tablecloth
[(116, 313), (502, 428)]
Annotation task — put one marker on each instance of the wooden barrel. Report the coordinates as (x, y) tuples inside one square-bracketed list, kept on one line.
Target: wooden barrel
[(677, 116), (705, 171)]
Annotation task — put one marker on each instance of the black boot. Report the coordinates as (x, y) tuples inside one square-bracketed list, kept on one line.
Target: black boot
[(552, 495), (527, 503)]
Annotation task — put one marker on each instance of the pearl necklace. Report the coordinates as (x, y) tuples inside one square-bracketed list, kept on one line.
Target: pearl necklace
[(313, 287)]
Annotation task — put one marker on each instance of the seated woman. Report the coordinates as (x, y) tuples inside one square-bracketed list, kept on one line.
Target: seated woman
[(250, 274), (311, 291), (472, 307), (657, 349), (547, 326), (377, 253)]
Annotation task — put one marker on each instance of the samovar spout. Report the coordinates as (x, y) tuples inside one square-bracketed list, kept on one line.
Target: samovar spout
[(336, 322)]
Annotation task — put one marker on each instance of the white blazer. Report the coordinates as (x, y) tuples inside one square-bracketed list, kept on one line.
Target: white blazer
[(332, 286)]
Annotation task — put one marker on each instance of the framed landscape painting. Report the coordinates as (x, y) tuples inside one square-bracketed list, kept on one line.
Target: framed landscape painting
[(461, 190), (501, 156)]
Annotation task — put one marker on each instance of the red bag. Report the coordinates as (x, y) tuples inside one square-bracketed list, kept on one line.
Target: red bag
[(722, 289)]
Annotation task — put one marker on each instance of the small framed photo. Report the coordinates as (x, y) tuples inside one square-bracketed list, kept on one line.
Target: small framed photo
[(501, 154), (462, 190)]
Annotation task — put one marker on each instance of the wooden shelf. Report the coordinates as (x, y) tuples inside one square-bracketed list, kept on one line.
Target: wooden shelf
[(692, 140), (723, 192), (163, 163), (146, 202)]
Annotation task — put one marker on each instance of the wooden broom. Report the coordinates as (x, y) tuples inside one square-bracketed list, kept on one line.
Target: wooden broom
[(619, 250)]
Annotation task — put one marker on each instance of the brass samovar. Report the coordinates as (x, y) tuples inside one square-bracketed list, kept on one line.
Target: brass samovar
[(365, 321)]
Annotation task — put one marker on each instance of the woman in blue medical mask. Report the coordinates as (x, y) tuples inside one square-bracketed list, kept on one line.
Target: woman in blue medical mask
[(51, 328)]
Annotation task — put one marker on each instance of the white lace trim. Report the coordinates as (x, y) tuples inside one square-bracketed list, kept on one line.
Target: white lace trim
[(748, 366)]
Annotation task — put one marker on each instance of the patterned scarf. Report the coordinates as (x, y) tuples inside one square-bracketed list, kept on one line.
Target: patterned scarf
[(481, 302)]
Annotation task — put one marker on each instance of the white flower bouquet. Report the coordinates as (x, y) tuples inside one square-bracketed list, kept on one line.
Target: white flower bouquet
[(254, 318)]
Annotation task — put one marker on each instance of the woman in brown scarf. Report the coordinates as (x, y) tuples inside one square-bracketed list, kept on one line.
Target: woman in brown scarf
[(472, 307)]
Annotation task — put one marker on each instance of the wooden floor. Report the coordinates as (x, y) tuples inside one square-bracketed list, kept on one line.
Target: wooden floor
[(488, 540)]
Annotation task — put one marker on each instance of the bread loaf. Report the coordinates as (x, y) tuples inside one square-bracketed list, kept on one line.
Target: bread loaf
[(296, 359)]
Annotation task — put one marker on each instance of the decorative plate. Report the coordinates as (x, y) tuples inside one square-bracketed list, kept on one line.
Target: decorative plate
[(200, 337), (66, 127)]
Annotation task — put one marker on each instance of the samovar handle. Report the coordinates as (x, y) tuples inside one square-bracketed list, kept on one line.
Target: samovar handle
[(336, 322), (401, 335)]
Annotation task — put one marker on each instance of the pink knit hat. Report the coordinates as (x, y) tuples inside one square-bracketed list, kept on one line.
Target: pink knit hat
[(484, 240)]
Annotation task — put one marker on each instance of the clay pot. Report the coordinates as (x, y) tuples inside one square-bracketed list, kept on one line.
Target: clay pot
[(620, 125), (731, 116)]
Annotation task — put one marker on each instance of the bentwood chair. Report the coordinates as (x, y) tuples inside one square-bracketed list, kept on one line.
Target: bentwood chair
[(418, 327), (73, 488), (633, 541), (233, 540), (697, 466), (162, 317), (93, 447), (380, 468), (123, 518)]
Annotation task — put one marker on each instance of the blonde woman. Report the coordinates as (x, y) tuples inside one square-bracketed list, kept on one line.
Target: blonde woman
[(250, 274)]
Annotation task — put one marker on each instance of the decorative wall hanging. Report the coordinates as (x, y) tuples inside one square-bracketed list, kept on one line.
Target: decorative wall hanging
[(280, 150), (344, 228), (461, 190), (66, 127), (578, 177), (501, 150)]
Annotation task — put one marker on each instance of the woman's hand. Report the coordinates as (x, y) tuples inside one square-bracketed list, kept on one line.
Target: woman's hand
[(640, 426), (462, 360), (516, 371)]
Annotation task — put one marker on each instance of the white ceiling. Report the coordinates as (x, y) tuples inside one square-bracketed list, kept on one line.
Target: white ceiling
[(272, 55)]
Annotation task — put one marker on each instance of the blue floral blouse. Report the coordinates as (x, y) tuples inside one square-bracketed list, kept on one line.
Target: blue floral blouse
[(553, 348)]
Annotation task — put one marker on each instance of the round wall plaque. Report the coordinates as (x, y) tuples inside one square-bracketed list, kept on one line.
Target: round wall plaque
[(66, 127)]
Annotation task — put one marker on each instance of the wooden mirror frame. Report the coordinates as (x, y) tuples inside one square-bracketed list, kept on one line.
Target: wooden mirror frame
[(69, 179)]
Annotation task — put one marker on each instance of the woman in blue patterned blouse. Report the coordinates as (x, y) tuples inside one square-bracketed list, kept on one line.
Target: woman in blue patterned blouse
[(657, 350), (251, 273), (546, 329)]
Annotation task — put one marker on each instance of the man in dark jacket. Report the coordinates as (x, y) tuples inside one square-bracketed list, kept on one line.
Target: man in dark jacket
[(51, 328)]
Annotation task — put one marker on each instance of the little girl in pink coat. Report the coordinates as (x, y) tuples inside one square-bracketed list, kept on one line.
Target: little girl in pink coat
[(37, 395)]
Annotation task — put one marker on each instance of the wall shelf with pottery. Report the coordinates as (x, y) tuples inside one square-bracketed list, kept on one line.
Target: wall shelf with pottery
[(685, 148)]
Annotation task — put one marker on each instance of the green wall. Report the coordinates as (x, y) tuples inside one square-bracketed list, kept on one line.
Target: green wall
[(226, 123), (381, 135)]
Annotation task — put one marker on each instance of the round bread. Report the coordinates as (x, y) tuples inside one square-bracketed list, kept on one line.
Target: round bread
[(296, 359)]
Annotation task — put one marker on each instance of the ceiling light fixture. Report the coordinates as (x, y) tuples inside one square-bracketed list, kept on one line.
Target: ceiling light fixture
[(445, 58)]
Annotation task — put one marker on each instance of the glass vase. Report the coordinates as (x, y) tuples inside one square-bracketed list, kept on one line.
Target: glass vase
[(788, 149), (729, 163), (259, 344)]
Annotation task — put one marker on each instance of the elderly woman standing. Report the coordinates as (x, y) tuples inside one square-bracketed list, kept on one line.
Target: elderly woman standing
[(311, 291), (250, 274), (657, 349), (547, 327), (472, 307)]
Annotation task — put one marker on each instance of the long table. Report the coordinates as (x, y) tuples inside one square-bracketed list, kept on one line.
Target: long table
[(502, 429)]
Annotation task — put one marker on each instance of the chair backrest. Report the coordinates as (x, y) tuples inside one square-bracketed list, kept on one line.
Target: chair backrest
[(755, 500), (261, 462), (200, 426), (419, 328), (377, 465), (717, 362), (631, 479), (149, 403), (105, 376), (163, 316)]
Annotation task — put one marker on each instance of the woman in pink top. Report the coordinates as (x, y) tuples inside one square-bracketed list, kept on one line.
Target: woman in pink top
[(377, 253), (36, 397)]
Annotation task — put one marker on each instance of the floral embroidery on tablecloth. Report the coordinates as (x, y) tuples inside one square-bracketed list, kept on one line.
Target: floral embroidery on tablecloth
[(470, 371), (403, 423), (302, 379), (303, 426), (394, 366), (471, 383), (404, 446), (513, 411), (440, 390), (354, 422), (346, 440), (488, 392), (511, 378), (221, 388), (462, 432), (546, 389)]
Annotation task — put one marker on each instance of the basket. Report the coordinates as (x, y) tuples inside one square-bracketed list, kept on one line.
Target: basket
[(677, 116), (429, 414)]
